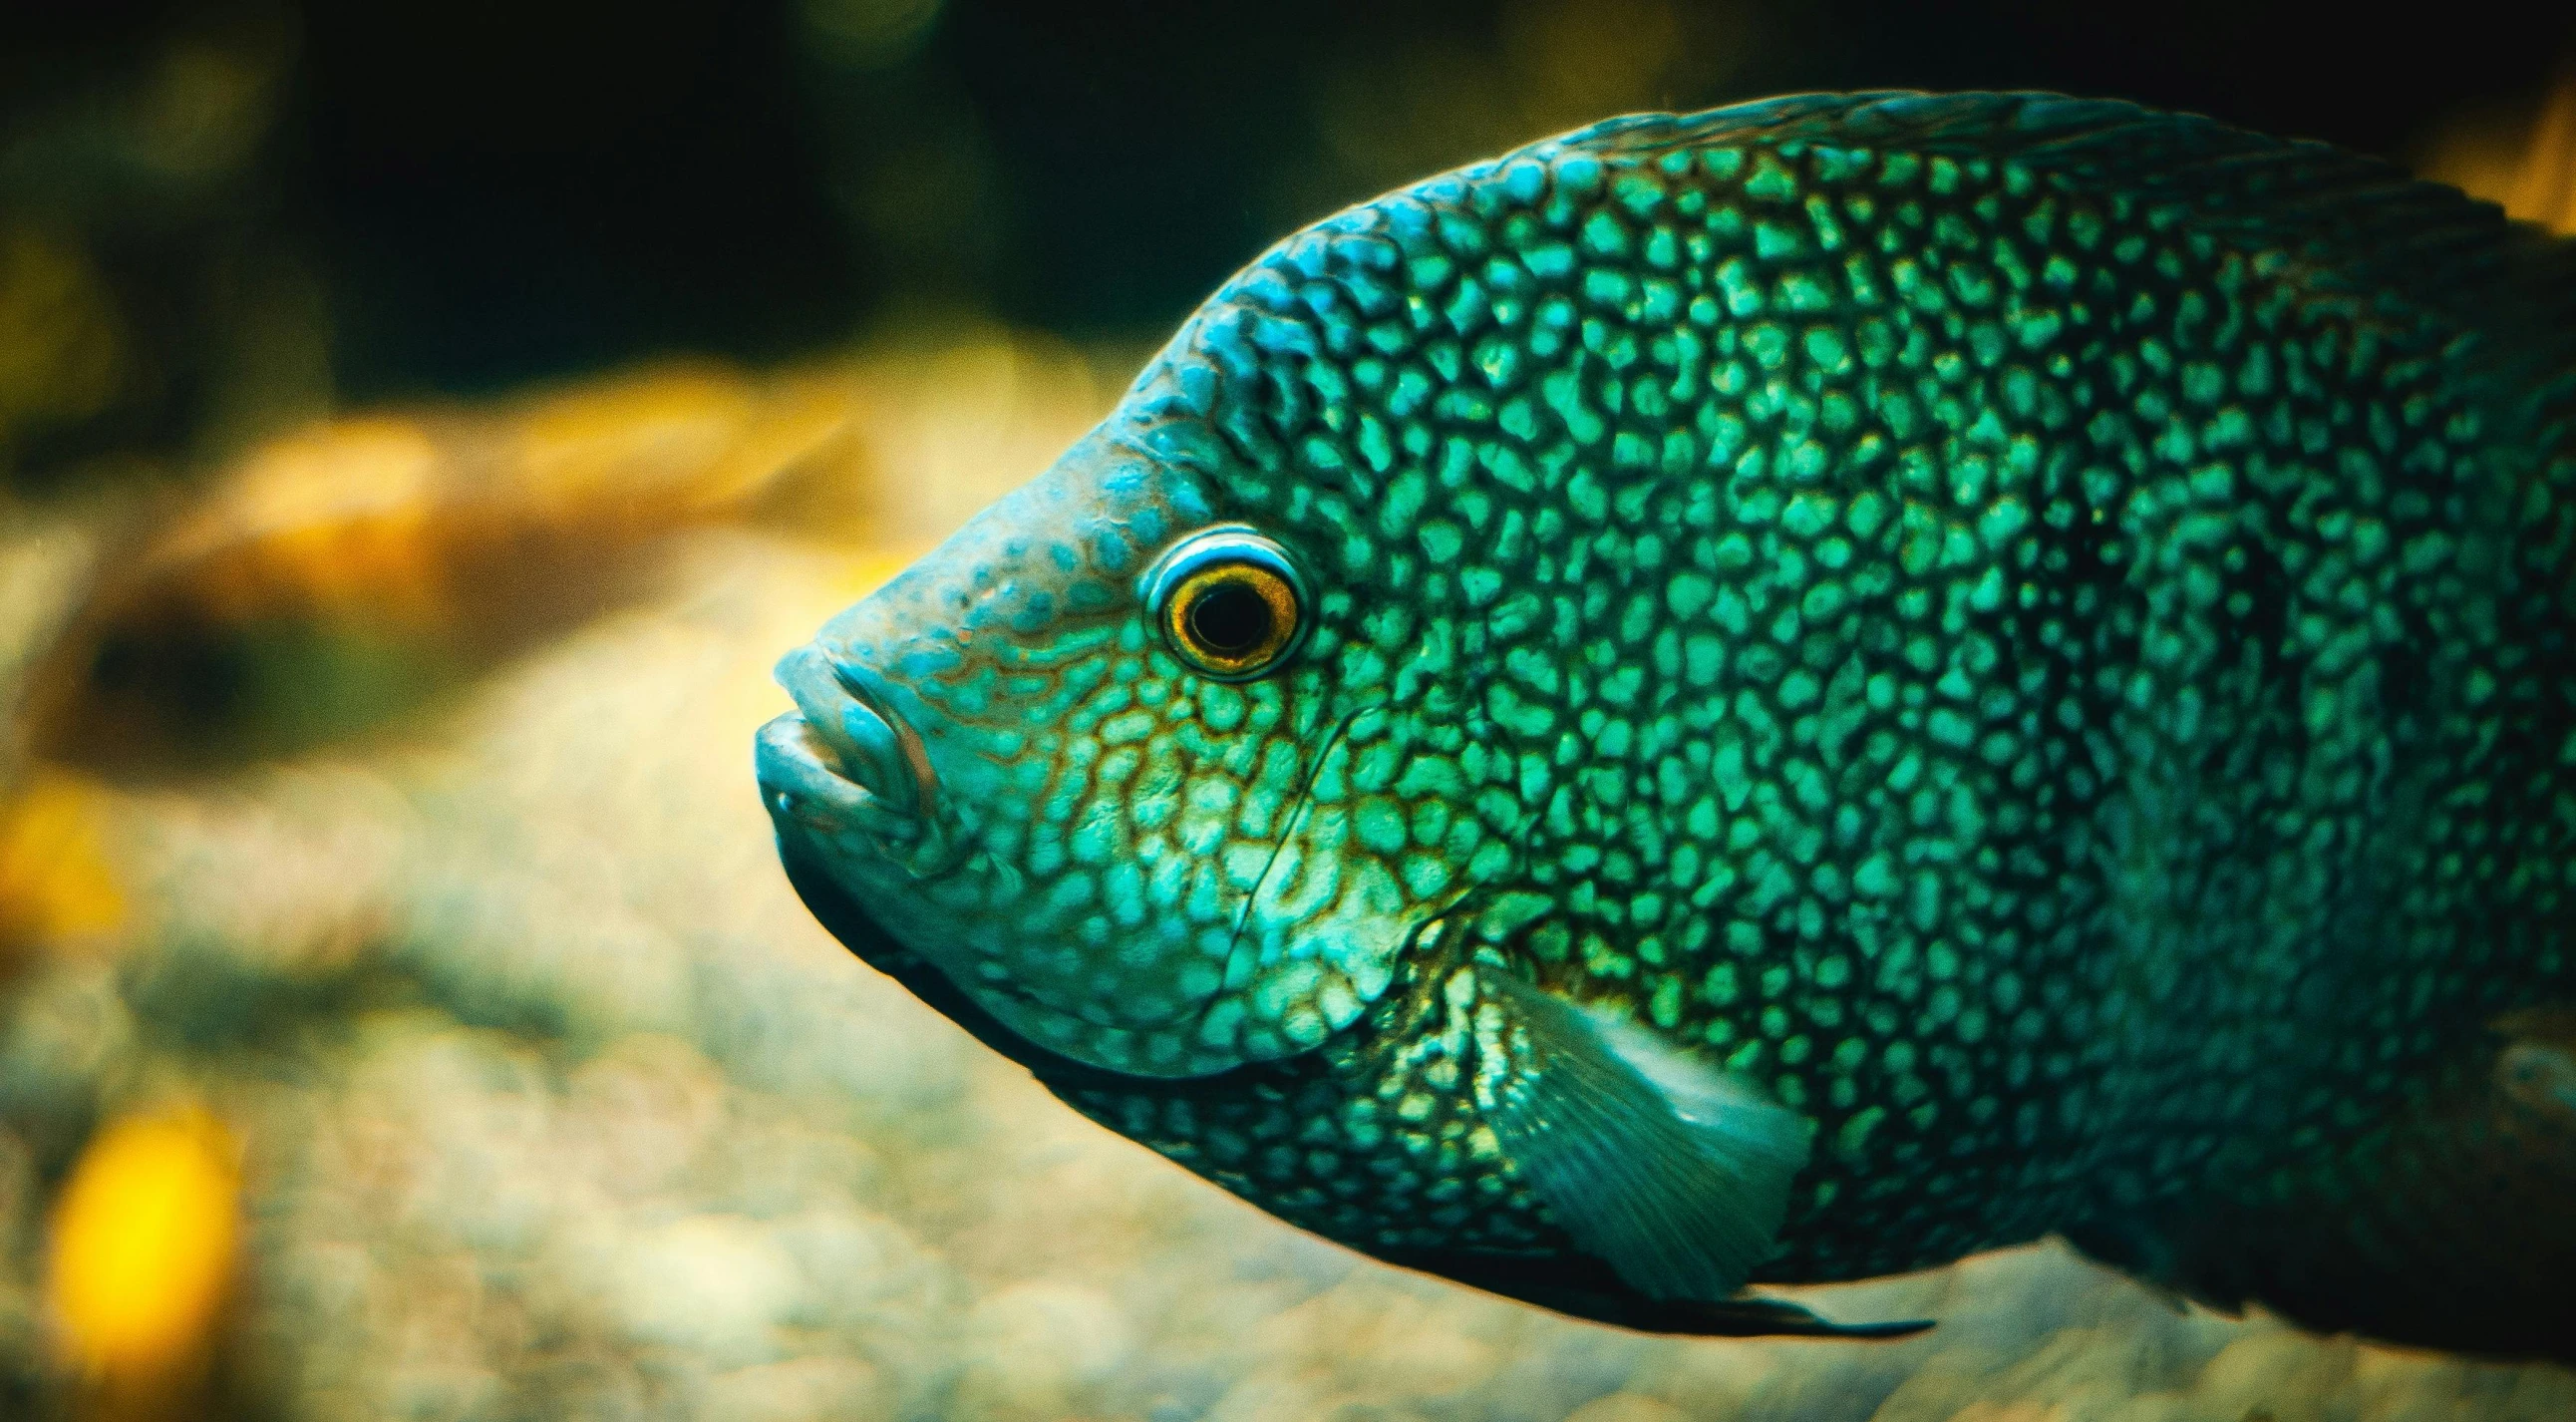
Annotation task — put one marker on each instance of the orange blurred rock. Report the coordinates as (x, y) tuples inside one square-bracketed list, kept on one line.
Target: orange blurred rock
[(335, 578), (343, 574)]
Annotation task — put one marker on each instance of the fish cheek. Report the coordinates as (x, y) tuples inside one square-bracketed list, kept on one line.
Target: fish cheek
[(1117, 839), (1340, 895)]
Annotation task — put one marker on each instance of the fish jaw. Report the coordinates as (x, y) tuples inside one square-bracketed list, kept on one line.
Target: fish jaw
[(850, 791)]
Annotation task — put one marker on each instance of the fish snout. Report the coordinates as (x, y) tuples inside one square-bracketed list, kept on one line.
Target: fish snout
[(846, 760), (852, 709)]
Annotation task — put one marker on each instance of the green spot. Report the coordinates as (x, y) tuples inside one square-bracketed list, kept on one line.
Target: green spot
[(1773, 241), (1608, 286), (1665, 1008), (1854, 1136), (1770, 182), (1548, 260), (1603, 236), (1380, 825), (1424, 876), (1768, 344), (1875, 878)]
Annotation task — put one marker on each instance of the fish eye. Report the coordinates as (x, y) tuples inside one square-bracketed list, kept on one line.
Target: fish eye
[(1230, 602)]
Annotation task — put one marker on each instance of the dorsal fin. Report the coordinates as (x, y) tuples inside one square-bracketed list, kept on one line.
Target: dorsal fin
[(2285, 188)]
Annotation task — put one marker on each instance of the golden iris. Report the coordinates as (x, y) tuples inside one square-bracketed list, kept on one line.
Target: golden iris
[(1229, 603)]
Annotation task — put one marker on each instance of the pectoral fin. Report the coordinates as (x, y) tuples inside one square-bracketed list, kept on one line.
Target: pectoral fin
[(1673, 1173)]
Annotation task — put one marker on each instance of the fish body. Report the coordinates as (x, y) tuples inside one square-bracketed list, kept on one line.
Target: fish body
[(1787, 694)]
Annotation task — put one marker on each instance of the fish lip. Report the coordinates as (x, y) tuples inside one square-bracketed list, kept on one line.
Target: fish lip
[(873, 694), (809, 793), (851, 710), (800, 773), (844, 765)]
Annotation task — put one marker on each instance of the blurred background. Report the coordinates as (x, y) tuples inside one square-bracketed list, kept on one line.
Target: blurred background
[(420, 426)]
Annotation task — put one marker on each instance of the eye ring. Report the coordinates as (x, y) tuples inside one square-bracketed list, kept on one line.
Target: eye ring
[(1230, 603)]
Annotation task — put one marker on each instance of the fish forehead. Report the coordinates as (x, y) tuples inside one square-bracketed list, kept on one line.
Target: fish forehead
[(1834, 548)]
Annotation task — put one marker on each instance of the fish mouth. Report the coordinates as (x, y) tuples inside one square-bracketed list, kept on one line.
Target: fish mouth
[(846, 762)]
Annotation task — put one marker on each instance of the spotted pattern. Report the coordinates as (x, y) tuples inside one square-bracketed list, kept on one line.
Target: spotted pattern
[(2035, 632)]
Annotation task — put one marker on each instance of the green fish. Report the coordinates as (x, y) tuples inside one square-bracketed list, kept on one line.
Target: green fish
[(1787, 694)]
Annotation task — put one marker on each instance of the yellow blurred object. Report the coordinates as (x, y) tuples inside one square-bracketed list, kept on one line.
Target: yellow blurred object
[(873, 568), (334, 578), (56, 885), (340, 575), (146, 1239), (408, 518), (959, 414), (2525, 162)]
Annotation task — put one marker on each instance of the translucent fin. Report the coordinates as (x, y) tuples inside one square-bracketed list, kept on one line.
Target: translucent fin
[(1669, 1171)]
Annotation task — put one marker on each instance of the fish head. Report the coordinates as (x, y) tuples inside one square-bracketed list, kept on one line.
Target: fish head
[(1099, 760)]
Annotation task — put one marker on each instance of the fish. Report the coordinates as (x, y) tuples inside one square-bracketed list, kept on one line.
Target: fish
[(1788, 694)]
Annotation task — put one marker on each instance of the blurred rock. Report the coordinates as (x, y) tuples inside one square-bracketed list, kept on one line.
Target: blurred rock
[(798, 1391), (1627, 1407), (1038, 1350)]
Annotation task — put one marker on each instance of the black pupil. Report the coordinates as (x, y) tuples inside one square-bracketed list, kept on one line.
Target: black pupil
[(1230, 619)]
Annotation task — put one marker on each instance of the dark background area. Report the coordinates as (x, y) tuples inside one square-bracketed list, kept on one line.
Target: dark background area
[(465, 197)]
